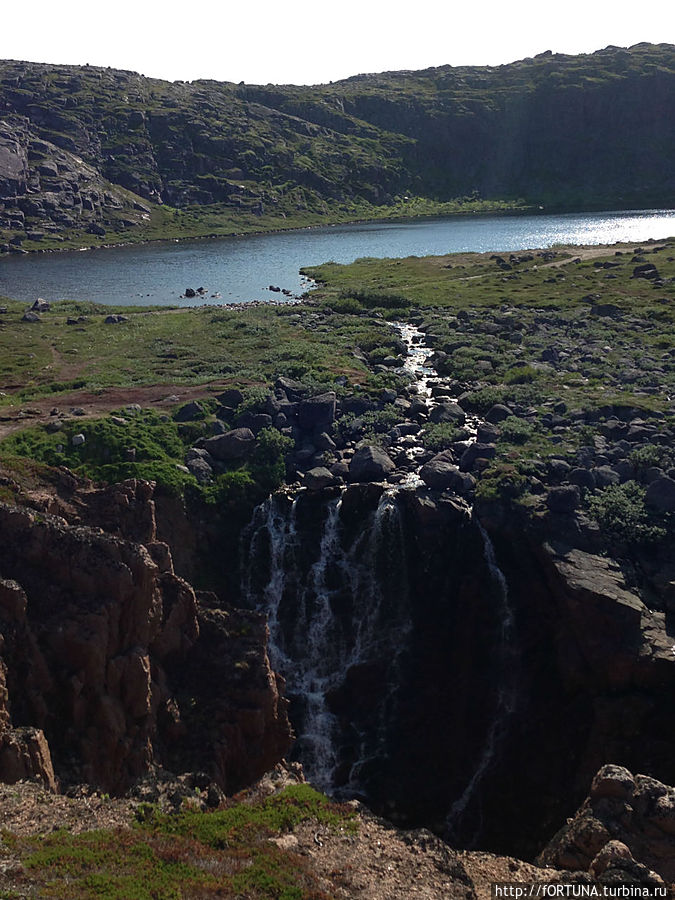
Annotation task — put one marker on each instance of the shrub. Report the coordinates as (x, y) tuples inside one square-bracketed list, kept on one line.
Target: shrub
[(520, 375), (515, 430), (438, 437), (621, 513), (268, 463)]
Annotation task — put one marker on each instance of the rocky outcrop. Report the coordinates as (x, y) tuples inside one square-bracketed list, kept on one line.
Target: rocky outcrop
[(92, 149), (625, 829), (100, 639)]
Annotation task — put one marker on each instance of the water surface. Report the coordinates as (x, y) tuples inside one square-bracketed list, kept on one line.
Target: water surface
[(242, 268)]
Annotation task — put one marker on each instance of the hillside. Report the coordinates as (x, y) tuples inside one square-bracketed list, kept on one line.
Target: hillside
[(114, 155)]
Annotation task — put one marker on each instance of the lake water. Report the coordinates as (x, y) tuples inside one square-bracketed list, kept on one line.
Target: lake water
[(242, 268)]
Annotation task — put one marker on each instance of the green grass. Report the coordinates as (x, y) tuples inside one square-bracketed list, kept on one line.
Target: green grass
[(226, 853), (180, 347)]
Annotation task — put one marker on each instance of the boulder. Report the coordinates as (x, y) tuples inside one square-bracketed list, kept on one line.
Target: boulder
[(236, 444), (563, 499), (317, 413), (189, 412), (230, 398), (318, 478), (448, 412), (30, 317), (476, 451), (661, 494), (199, 467), (440, 474), (370, 463), (497, 413)]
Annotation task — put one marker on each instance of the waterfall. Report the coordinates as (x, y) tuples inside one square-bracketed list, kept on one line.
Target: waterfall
[(333, 605), (506, 690)]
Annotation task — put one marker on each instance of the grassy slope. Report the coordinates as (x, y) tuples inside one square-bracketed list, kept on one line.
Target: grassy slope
[(226, 158)]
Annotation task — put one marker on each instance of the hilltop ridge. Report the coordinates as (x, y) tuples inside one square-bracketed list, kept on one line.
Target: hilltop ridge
[(112, 155)]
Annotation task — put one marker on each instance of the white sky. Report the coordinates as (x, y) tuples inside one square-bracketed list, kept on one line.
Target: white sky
[(310, 41)]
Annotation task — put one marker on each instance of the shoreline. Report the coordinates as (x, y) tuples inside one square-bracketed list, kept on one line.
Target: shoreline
[(513, 212)]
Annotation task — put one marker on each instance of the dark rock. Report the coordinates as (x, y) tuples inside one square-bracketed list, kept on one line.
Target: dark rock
[(474, 452), (317, 413), (448, 412), (609, 310), (661, 494), (189, 412), (370, 463), (441, 474), (30, 317), (604, 476), (115, 319), (563, 499), (231, 398), (294, 390), (583, 478), (647, 270), (235, 444), (498, 413), (318, 478), (190, 292)]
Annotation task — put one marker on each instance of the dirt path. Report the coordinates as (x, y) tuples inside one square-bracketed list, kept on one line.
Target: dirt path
[(158, 396)]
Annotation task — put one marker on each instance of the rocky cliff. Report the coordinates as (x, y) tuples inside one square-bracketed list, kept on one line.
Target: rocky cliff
[(97, 149), (110, 665)]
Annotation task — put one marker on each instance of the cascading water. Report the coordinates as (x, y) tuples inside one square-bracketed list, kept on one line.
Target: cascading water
[(506, 691), (332, 608), (376, 617)]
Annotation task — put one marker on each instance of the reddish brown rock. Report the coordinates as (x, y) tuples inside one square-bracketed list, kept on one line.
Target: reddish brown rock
[(624, 829), (98, 640)]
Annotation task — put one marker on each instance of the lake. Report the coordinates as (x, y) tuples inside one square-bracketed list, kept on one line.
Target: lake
[(242, 268)]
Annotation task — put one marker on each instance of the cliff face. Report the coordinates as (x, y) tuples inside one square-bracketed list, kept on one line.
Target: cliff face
[(91, 148), (106, 651)]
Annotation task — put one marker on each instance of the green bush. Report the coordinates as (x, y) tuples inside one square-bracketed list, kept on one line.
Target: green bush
[(438, 437), (621, 513), (268, 463), (515, 430), (520, 375)]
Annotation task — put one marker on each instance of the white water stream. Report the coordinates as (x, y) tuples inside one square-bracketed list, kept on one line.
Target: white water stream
[(350, 607)]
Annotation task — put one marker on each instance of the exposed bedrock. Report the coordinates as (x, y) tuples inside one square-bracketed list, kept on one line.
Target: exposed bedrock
[(470, 681), (453, 670), (109, 665)]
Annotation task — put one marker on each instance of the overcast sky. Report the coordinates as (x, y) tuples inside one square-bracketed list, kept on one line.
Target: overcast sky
[(310, 41)]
